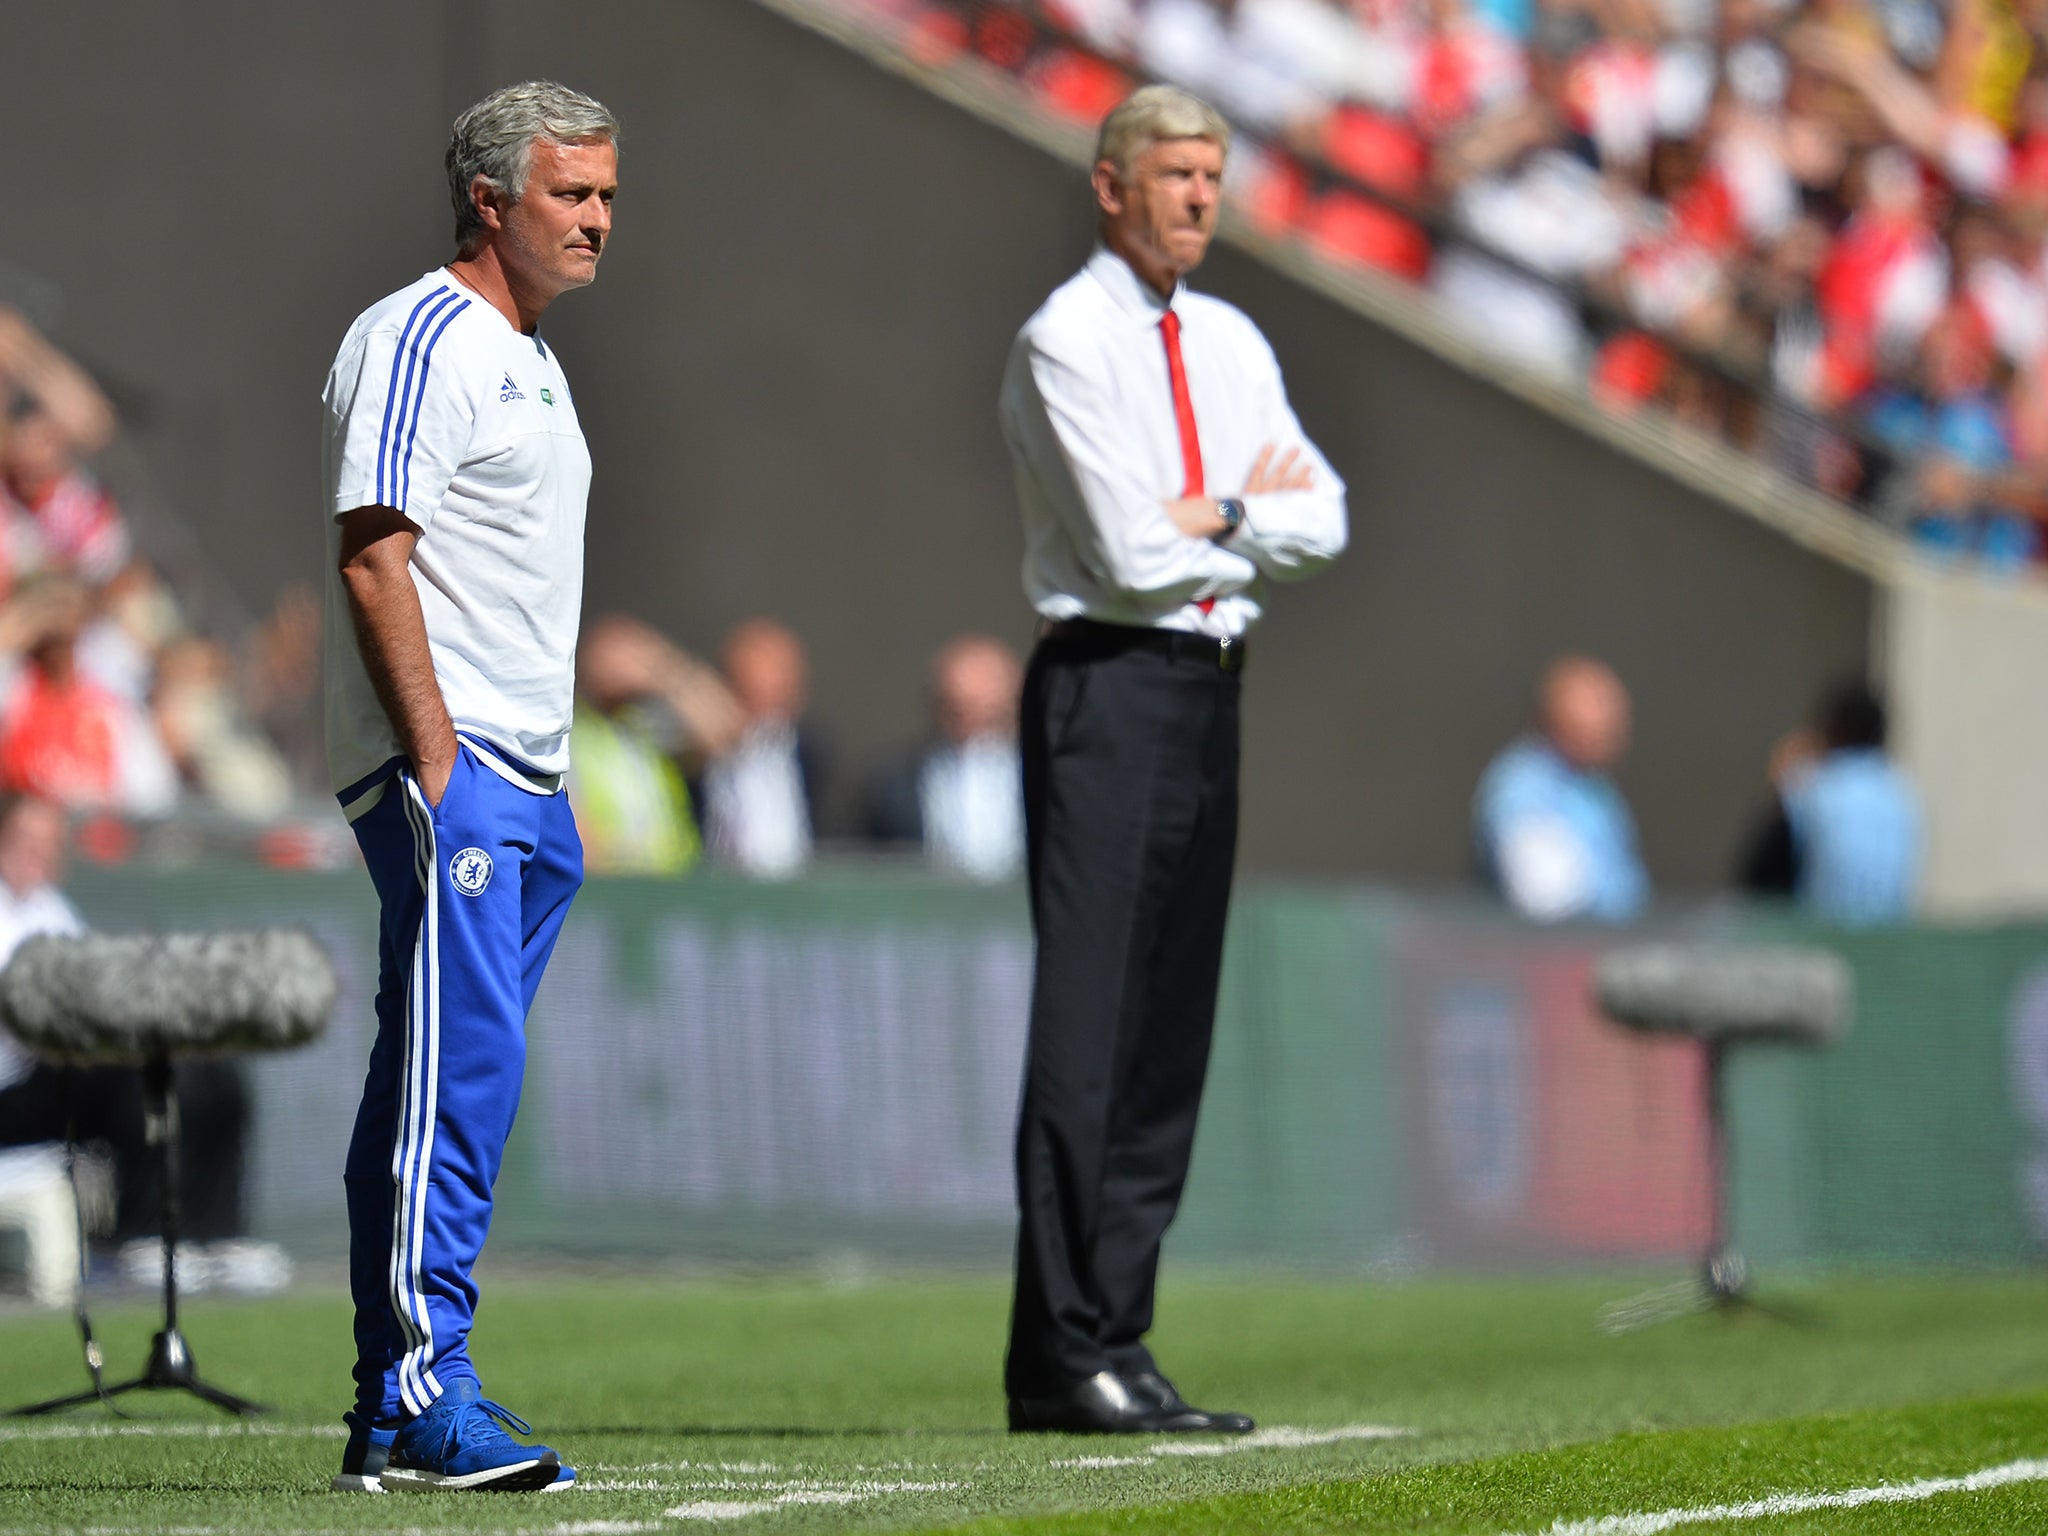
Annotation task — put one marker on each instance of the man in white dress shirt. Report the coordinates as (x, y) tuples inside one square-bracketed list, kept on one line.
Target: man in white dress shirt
[(1163, 481)]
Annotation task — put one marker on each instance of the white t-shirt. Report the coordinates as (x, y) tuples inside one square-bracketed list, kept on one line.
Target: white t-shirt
[(437, 406)]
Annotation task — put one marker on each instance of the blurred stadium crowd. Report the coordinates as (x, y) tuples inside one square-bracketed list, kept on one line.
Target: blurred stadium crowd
[(117, 710), (111, 700), (1817, 230)]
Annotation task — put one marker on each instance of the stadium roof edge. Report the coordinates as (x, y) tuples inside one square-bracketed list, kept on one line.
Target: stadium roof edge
[(1745, 485)]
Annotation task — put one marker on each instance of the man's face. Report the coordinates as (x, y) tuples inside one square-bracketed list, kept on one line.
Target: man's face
[(976, 687), (1165, 210), (32, 847), (550, 239), (1586, 713)]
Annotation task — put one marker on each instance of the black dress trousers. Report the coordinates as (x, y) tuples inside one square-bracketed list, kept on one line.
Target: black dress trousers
[(1130, 748)]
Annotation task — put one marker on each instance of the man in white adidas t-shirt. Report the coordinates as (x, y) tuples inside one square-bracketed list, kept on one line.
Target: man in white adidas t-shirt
[(456, 479)]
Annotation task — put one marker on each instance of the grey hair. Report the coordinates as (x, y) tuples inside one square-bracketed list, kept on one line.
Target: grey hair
[(1152, 113), (494, 140)]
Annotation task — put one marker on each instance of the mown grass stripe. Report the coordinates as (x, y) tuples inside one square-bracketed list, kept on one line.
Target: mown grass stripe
[(1776, 1504)]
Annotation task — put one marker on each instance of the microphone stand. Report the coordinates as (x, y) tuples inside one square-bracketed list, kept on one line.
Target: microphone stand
[(170, 1367)]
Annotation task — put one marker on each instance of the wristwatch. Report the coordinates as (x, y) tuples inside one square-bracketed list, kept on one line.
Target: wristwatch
[(1231, 510)]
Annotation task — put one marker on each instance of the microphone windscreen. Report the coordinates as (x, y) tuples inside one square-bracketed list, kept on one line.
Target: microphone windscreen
[(1712, 992), (103, 997)]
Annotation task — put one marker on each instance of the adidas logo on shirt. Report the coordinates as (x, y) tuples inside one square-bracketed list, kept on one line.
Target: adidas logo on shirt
[(509, 392)]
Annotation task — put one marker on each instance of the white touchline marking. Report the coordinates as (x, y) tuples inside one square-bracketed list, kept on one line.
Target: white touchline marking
[(717, 1509), (1090, 1463), (171, 1431), (621, 1485), (1279, 1438), (1798, 1503), (787, 1494)]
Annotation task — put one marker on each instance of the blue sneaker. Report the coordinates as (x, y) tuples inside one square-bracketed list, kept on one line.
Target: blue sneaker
[(362, 1464), (457, 1444)]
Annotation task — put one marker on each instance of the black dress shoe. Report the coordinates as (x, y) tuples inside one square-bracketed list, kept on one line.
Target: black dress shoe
[(1175, 1413), (1101, 1405)]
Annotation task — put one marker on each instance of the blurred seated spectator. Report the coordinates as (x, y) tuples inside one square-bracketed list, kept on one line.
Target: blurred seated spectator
[(1553, 834), (1845, 835), (648, 715), (961, 797), (56, 417), (104, 1105), (281, 682), (1953, 434), (62, 735), (1526, 185), (78, 528), (219, 757), (760, 796), (134, 618)]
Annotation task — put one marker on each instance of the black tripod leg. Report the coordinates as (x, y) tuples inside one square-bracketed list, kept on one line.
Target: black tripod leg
[(170, 1366), (240, 1406), (76, 1400)]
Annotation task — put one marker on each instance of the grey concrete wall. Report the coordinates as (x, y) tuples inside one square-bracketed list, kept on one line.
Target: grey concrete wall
[(787, 373)]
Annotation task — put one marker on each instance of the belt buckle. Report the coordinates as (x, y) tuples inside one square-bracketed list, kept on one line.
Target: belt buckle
[(1229, 654)]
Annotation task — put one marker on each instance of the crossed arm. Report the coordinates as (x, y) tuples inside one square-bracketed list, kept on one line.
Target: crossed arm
[(391, 634), (1197, 517)]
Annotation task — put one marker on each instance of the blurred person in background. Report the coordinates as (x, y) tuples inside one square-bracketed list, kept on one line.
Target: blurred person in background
[(961, 798), (280, 682), (1553, 834), (78, 527), (1845, 834), (1163, 481), (1952, 429), (1523, 183), (220, 758), (760, 796), (648, 716), (104, 1105), (56, 418), (63, 735)]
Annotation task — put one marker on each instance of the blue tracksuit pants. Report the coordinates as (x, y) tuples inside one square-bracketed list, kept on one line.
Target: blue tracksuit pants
[(473, 892)]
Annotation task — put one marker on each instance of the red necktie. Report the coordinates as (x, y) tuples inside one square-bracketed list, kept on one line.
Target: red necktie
[(1183, 407), (1184, 419)]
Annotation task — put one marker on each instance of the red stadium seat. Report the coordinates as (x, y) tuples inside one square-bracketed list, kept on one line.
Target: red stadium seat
[(1351, 227)]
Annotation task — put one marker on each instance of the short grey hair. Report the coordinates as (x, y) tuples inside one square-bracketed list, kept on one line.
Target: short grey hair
[(494, 140), (1153, 113)]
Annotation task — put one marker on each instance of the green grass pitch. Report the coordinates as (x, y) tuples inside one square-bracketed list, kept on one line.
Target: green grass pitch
[(780, 1405)]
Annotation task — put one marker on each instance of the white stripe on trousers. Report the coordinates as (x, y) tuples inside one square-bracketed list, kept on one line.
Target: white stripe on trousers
[(413, 1152)]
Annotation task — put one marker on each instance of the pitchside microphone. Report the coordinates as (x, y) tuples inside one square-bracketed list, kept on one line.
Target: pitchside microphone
[(1731, 992), (128, 998), (1724, 996), (148, 999)]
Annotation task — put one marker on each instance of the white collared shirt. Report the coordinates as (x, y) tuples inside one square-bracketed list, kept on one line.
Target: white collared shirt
[(971, 796), (1087, 410), (755, 816), (42, 910)]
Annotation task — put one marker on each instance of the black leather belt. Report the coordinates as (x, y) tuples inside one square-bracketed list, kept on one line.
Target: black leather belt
[(1089, 637)]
